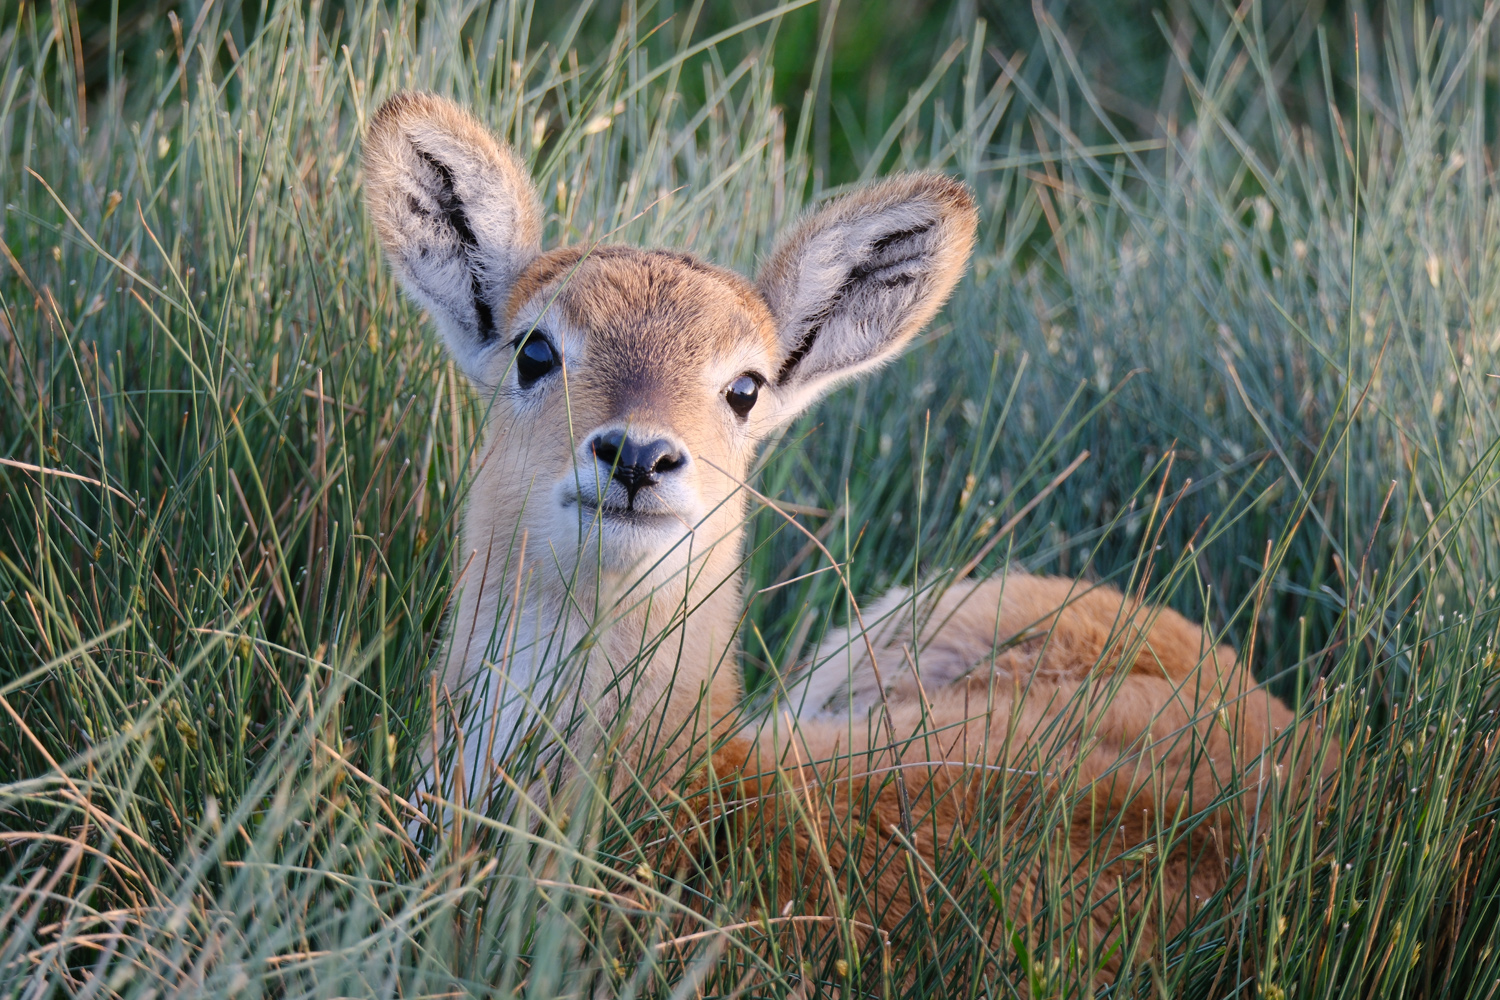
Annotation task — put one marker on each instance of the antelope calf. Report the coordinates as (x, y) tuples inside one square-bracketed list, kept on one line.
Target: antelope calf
[(627, 391)]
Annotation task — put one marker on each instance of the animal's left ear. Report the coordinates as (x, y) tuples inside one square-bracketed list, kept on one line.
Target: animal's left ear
[(852, 284)]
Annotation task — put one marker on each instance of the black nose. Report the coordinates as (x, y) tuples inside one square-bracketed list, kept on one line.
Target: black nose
[(634, 463)]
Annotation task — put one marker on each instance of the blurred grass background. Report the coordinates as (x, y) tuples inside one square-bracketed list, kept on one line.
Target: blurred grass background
[(1244, 257), (880, 51)]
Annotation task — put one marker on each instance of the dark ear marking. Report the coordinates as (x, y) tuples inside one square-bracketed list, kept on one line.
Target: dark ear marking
[(886, 242), (867, 271), (873, 265), (452, 208), (851, 284), (803, 346)]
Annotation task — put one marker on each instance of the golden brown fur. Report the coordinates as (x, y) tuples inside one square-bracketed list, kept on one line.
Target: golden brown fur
[(1067, 685), (579, 583)]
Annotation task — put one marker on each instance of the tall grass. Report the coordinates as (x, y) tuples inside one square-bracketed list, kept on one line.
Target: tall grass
[(233, 461)]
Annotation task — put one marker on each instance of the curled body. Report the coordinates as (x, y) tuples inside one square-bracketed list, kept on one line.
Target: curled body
[(599, 598), (1041, 704)]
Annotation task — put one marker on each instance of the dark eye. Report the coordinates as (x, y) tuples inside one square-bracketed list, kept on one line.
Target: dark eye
[(741, 394), (535, 357)]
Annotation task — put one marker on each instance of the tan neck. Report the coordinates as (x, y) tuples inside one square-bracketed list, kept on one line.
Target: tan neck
[(666, 648), (672, 659)]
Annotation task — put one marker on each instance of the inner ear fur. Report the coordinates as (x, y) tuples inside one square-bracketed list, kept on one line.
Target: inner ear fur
[(457, 214), (851, 284)]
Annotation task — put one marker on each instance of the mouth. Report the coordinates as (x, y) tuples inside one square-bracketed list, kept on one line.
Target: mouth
[(613, 512)]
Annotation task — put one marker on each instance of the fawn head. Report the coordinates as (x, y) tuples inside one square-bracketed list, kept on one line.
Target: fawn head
[(629, 387)]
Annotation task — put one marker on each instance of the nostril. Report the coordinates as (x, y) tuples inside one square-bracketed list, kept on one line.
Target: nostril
[(668, 460), (606, 447)]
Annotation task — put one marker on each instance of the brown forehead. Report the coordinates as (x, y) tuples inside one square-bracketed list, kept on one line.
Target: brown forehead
[(624, 293)]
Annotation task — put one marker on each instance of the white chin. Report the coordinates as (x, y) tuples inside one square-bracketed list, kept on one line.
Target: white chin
[(630, 541), (635, 543)]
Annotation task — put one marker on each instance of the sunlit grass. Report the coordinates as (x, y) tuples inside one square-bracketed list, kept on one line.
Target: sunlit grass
[(233, 460)]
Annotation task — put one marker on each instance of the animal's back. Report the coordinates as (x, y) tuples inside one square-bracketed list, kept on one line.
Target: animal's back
[(1109, 719)]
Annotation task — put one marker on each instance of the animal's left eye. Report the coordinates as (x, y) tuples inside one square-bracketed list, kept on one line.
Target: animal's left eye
[(741, 395)]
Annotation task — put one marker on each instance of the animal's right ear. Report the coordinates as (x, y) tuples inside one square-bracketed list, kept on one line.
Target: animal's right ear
[(457, 214)]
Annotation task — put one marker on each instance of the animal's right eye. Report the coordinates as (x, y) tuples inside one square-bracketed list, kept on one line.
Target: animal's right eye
[(535, 357)]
